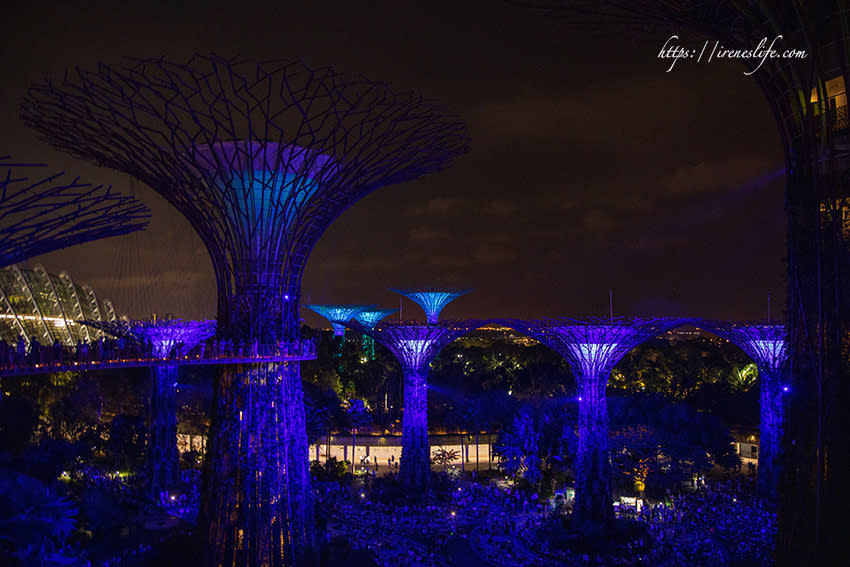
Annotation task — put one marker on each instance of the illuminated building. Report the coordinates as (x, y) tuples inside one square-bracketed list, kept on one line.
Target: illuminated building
[(48, 307)]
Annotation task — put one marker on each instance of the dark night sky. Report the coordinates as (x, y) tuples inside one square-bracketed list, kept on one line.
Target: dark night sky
[(591, 167)]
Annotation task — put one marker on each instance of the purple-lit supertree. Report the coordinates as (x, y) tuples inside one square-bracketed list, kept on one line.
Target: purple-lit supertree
[(369, 319), (592, 348), (767, 346), (260, 157), (167, 338), (47, 213), (415, 346), (336, 313), (431, 301), (804, 81)]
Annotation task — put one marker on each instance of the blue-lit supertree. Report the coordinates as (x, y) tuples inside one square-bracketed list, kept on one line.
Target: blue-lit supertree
[(369, 319), (260, 157), (767, 345), (336, 313), (431, 301), (48, 212), (592, 348), (167, 339), (415, 346)]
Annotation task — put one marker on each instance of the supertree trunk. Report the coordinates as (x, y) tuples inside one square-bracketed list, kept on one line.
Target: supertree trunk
[(163, 458), (593, 467), (770, 436), (415, 466), (258, 509)]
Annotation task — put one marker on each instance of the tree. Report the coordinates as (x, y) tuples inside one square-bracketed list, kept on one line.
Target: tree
[(126, 440), (18, 418), (654, 441), (444, 457), (538, 444), (743, 378), (34, 520)]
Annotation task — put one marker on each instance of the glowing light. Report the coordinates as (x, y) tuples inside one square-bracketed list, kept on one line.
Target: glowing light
[(770, 350), (432, 302), (338, 314), (370, 317), (415, 350), (272, 198)]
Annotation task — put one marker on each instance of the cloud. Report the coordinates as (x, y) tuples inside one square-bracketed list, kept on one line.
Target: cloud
[(425, 234), (491, 253), (437, 206), (598, 221), (499, 208), (718, 175)]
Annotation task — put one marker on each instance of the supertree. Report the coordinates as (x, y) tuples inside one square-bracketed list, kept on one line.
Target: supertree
[(767, 346), (415, 347), (260, 157), (40, 212), (336, 313), (807, 93), (167, 338), (431, 301), (369, 319), (592, 348)]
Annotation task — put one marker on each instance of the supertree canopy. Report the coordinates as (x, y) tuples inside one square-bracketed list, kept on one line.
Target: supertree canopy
[(807, 92), (369, 319), (42, 212), (167, 339), (336, 313), (260, 157), (415, 347), (592, 348), (431, 301), (767, 346)]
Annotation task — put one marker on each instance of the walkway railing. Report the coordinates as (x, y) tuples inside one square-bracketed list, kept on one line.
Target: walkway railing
[(105, 356)]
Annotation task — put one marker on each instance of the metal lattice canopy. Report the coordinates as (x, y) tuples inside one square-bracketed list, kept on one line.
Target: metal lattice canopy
[(164, 334), (338, 314), (431, 300), (371, 317), (40, 212), (765, 343), (415, 346), (260, 156), (593, 346)]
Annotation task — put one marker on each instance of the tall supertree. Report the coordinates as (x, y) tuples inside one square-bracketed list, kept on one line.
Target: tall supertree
[(808, 97), (431, 301), (767, 346), (592, 348), (336, 313), (369, 319), (42, 212), (415, 347), (260, 157), (167, 338)]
